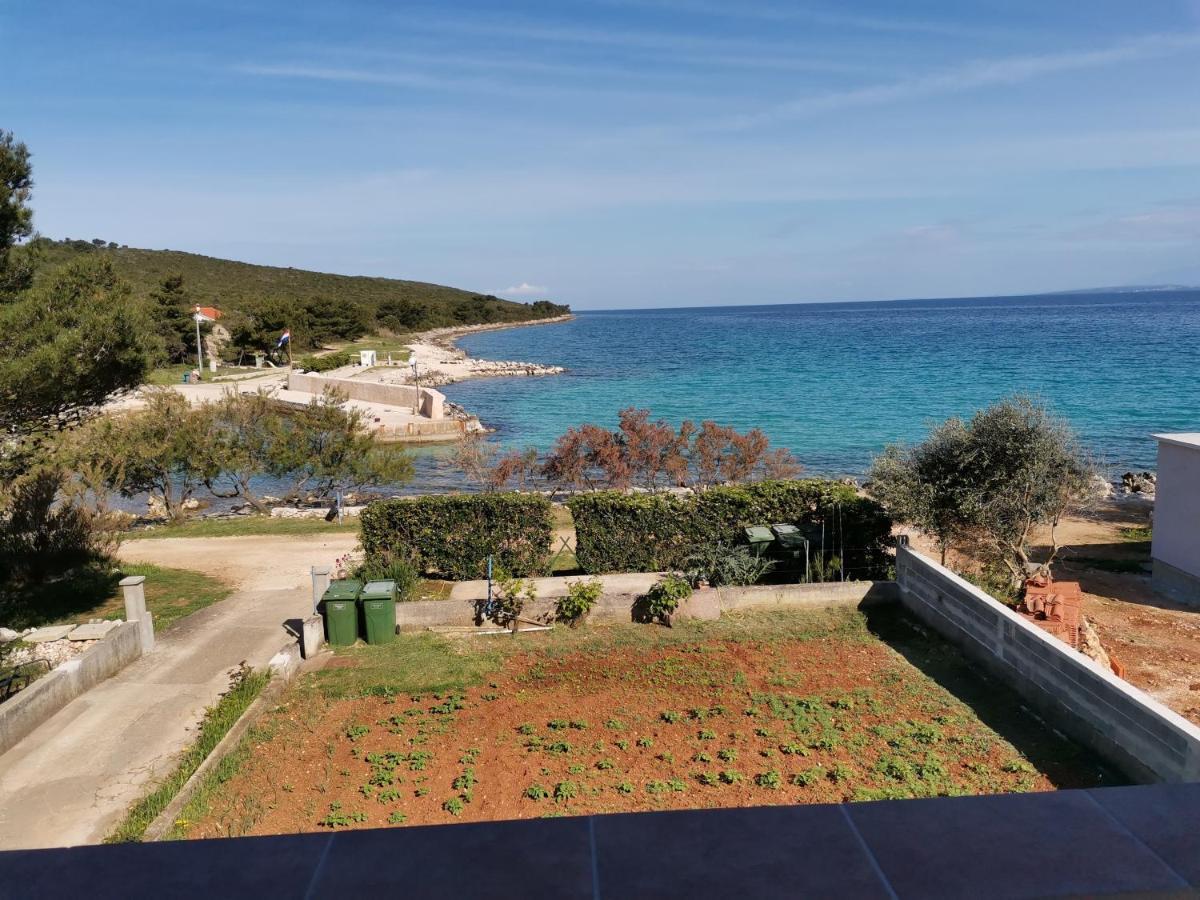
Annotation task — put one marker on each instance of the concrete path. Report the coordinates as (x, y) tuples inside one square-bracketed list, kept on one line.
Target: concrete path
[(72, 780)]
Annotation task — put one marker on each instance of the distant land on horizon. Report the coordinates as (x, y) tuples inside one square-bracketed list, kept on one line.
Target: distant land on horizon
[(214, 279), (247, 290)]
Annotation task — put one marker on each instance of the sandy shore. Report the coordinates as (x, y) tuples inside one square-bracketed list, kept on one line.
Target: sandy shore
[(440, 361)]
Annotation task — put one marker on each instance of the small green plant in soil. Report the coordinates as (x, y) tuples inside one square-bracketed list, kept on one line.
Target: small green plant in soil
[(454, 806), (580, 598), (770, 779), (664, 597), (536, 792), (565, 791), (338, 818)]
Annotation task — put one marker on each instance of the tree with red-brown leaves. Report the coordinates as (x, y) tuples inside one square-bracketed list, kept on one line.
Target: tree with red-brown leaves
[(653, 454), (515, 466), (653, 450)]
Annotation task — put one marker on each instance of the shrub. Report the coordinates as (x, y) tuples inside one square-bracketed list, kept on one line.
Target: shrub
[(389, 568), (453, 536), (618, 532), (327, 362), (720, 564), (663, 598), (509, 598), (581, 597)]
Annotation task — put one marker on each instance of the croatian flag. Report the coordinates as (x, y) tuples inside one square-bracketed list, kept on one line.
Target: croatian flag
[(284, 338)]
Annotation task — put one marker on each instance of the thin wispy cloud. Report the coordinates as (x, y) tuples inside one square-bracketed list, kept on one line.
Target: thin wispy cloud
[(813, 15), (971, 76), (483, 86)]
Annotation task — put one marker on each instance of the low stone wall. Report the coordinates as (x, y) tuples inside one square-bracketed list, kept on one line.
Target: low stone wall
[(617, 607), (832, 593), (1081, 698), (427, 401), (50, 693)]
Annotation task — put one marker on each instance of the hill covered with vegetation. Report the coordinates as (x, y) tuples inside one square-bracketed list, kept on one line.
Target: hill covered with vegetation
[(259, 302)]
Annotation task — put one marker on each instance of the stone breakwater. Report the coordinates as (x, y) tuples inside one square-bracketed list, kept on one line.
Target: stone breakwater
[(439, 361)]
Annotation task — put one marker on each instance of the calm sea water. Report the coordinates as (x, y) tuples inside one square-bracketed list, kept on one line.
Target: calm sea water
[(835, 382)]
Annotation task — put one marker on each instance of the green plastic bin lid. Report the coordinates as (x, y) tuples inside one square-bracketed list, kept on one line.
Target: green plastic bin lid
[(343, 589), (378, 590), (784, 528), (759, 534)]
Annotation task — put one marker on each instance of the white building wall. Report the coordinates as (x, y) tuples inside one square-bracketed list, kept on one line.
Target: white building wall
[(1176, 547)]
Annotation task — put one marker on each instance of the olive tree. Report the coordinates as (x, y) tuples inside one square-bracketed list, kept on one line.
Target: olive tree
[(988, 484)]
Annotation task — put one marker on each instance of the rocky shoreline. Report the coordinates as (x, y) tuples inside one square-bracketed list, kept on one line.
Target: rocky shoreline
[(440, 361)]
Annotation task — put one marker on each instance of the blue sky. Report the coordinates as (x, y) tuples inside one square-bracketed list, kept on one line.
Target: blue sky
[(627, 153)]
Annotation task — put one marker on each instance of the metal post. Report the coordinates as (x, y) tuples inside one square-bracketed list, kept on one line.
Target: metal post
[(199, 348), (489, 582)]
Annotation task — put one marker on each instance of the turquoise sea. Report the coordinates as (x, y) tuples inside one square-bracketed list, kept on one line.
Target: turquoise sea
[(835, 382)]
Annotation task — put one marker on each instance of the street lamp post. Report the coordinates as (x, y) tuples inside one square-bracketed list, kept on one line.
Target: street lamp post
[(199, 346)]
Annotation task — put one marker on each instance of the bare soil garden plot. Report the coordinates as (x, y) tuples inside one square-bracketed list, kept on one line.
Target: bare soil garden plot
[(756, 709)]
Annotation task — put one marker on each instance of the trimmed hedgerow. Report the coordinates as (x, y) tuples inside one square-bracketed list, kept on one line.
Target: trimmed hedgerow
[(618, 532), (453, 536), (327, 362)]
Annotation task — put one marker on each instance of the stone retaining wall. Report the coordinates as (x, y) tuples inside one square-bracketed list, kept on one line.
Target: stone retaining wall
[(1076, 695), (617, 607), (50, 693)]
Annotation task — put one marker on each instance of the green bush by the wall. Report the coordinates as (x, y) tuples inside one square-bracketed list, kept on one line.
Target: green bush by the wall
[(452, 536), (618, 532), (327, 362)]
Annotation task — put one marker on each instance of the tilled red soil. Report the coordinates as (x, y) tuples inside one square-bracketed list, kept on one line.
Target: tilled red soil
[(716, 724)]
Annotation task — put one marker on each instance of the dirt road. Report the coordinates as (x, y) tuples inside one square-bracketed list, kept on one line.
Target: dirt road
[(246, 563)]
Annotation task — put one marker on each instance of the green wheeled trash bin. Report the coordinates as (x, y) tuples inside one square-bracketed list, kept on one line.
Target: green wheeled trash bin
[(378, 601), (760, 539), (339, 606)]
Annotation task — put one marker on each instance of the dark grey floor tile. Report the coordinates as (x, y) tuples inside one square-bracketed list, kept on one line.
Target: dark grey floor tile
[(525, 859), (1018, 845), (244, 867), (1165, 817), (774, 851)]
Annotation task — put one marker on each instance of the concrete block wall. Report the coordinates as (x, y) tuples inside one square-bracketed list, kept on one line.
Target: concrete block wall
[(427, 401), (1145, 739), (50, 693), (1176, 550)]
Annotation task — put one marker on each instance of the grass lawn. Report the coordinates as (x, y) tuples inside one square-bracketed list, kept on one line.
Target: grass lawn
[(242, 525), (800, 706), (381, 345), (174, 374), (94, 593)]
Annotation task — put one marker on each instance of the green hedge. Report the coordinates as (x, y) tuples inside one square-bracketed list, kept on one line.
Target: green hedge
[(618, 532), (327, 362), (452, 536)]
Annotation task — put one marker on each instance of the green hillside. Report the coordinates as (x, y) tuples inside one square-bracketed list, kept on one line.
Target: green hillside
[(259, 301)]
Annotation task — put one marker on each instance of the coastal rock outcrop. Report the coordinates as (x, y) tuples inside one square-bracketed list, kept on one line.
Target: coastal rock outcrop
[(1139, 482)]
